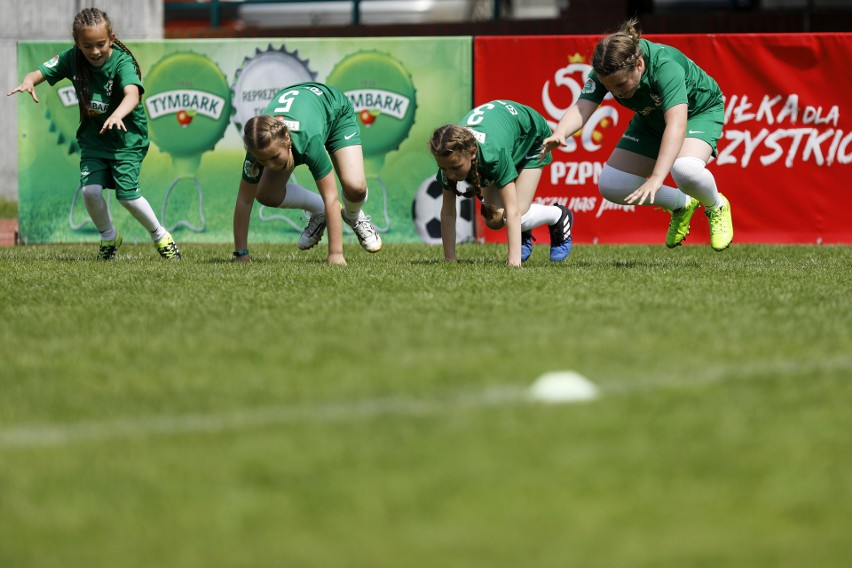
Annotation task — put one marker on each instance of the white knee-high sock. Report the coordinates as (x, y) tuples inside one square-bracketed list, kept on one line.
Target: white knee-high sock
[(297, 197), (350, 208), (142, 212), (98, 210), (693, 178), (615, 185), (538, 215)]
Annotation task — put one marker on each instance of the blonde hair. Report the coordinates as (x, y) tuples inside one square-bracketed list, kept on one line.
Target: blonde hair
[(449, 139), (619, 51), (262, 130), (92, 18)]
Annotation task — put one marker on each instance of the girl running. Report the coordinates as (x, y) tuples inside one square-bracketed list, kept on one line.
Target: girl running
[(113, 131), (679, 114), (496, 150), (312, 124)]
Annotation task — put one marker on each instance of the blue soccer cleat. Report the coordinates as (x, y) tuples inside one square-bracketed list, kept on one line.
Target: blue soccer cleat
[(560, 235)]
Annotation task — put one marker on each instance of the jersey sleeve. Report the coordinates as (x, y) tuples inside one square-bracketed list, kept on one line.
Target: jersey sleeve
[(126, 73), (316, 158), (502, 171), (58, 67), (442, 179), (593, 90), (252, 170), (670, 80)]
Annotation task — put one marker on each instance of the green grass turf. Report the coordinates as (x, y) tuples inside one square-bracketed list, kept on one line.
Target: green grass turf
[(287, 413)]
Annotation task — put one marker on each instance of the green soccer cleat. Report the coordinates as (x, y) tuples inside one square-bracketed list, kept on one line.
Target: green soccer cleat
[(679, 226), (108, 248), (721, 225), (168, 248)]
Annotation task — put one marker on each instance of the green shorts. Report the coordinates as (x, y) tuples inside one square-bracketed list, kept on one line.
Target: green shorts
[(120, 175), (542, 131), (643, 140), (344, 131)]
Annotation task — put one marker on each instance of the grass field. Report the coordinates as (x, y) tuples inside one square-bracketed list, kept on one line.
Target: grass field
[(287, 413)]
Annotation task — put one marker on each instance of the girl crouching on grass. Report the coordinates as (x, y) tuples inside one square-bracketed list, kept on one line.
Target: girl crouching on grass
[(495, 149), (312, 124)]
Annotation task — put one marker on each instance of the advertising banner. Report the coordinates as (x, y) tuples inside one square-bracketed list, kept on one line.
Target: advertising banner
[(198, 95), (785, 153)]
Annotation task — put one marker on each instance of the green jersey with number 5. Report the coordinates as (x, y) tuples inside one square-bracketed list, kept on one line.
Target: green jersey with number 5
[(312, 112)]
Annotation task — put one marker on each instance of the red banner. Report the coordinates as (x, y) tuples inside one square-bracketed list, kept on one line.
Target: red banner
[(785, 153)]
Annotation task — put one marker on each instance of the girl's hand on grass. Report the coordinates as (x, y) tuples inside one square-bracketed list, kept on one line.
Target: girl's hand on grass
[(336, 259)]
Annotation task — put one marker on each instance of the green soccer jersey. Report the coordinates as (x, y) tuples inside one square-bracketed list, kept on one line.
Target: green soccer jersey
[(670, 79), (106, 84), (310, 111), (508, 138)]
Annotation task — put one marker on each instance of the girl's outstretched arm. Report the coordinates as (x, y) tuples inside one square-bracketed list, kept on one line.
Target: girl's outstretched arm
[(327, 187), (573, 120), (673, 137), (448, 225), (31, 79), (242, 218), (128, 103), (509, 195)]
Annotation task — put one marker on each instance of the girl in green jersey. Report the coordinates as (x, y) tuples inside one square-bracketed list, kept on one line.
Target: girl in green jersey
[(495, 150), (679, 115), (311, 124), (113, 131)]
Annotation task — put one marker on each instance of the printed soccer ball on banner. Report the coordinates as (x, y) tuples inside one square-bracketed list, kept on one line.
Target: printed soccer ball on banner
[(426, 213)]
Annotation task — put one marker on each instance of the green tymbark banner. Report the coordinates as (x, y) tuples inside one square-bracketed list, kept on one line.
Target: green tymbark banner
[(198, 94)]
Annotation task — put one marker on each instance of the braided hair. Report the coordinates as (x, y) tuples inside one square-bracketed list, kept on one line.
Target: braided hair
[(92, 18), (448, 140), (619, 51), (262, 130)]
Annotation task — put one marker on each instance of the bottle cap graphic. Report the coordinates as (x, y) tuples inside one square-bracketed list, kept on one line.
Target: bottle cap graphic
[(188, 101), (261, 76), (187, 98), (382, 93)]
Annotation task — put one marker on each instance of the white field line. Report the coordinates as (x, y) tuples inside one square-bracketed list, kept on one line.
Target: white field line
[(47, 435), (247, 419)]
